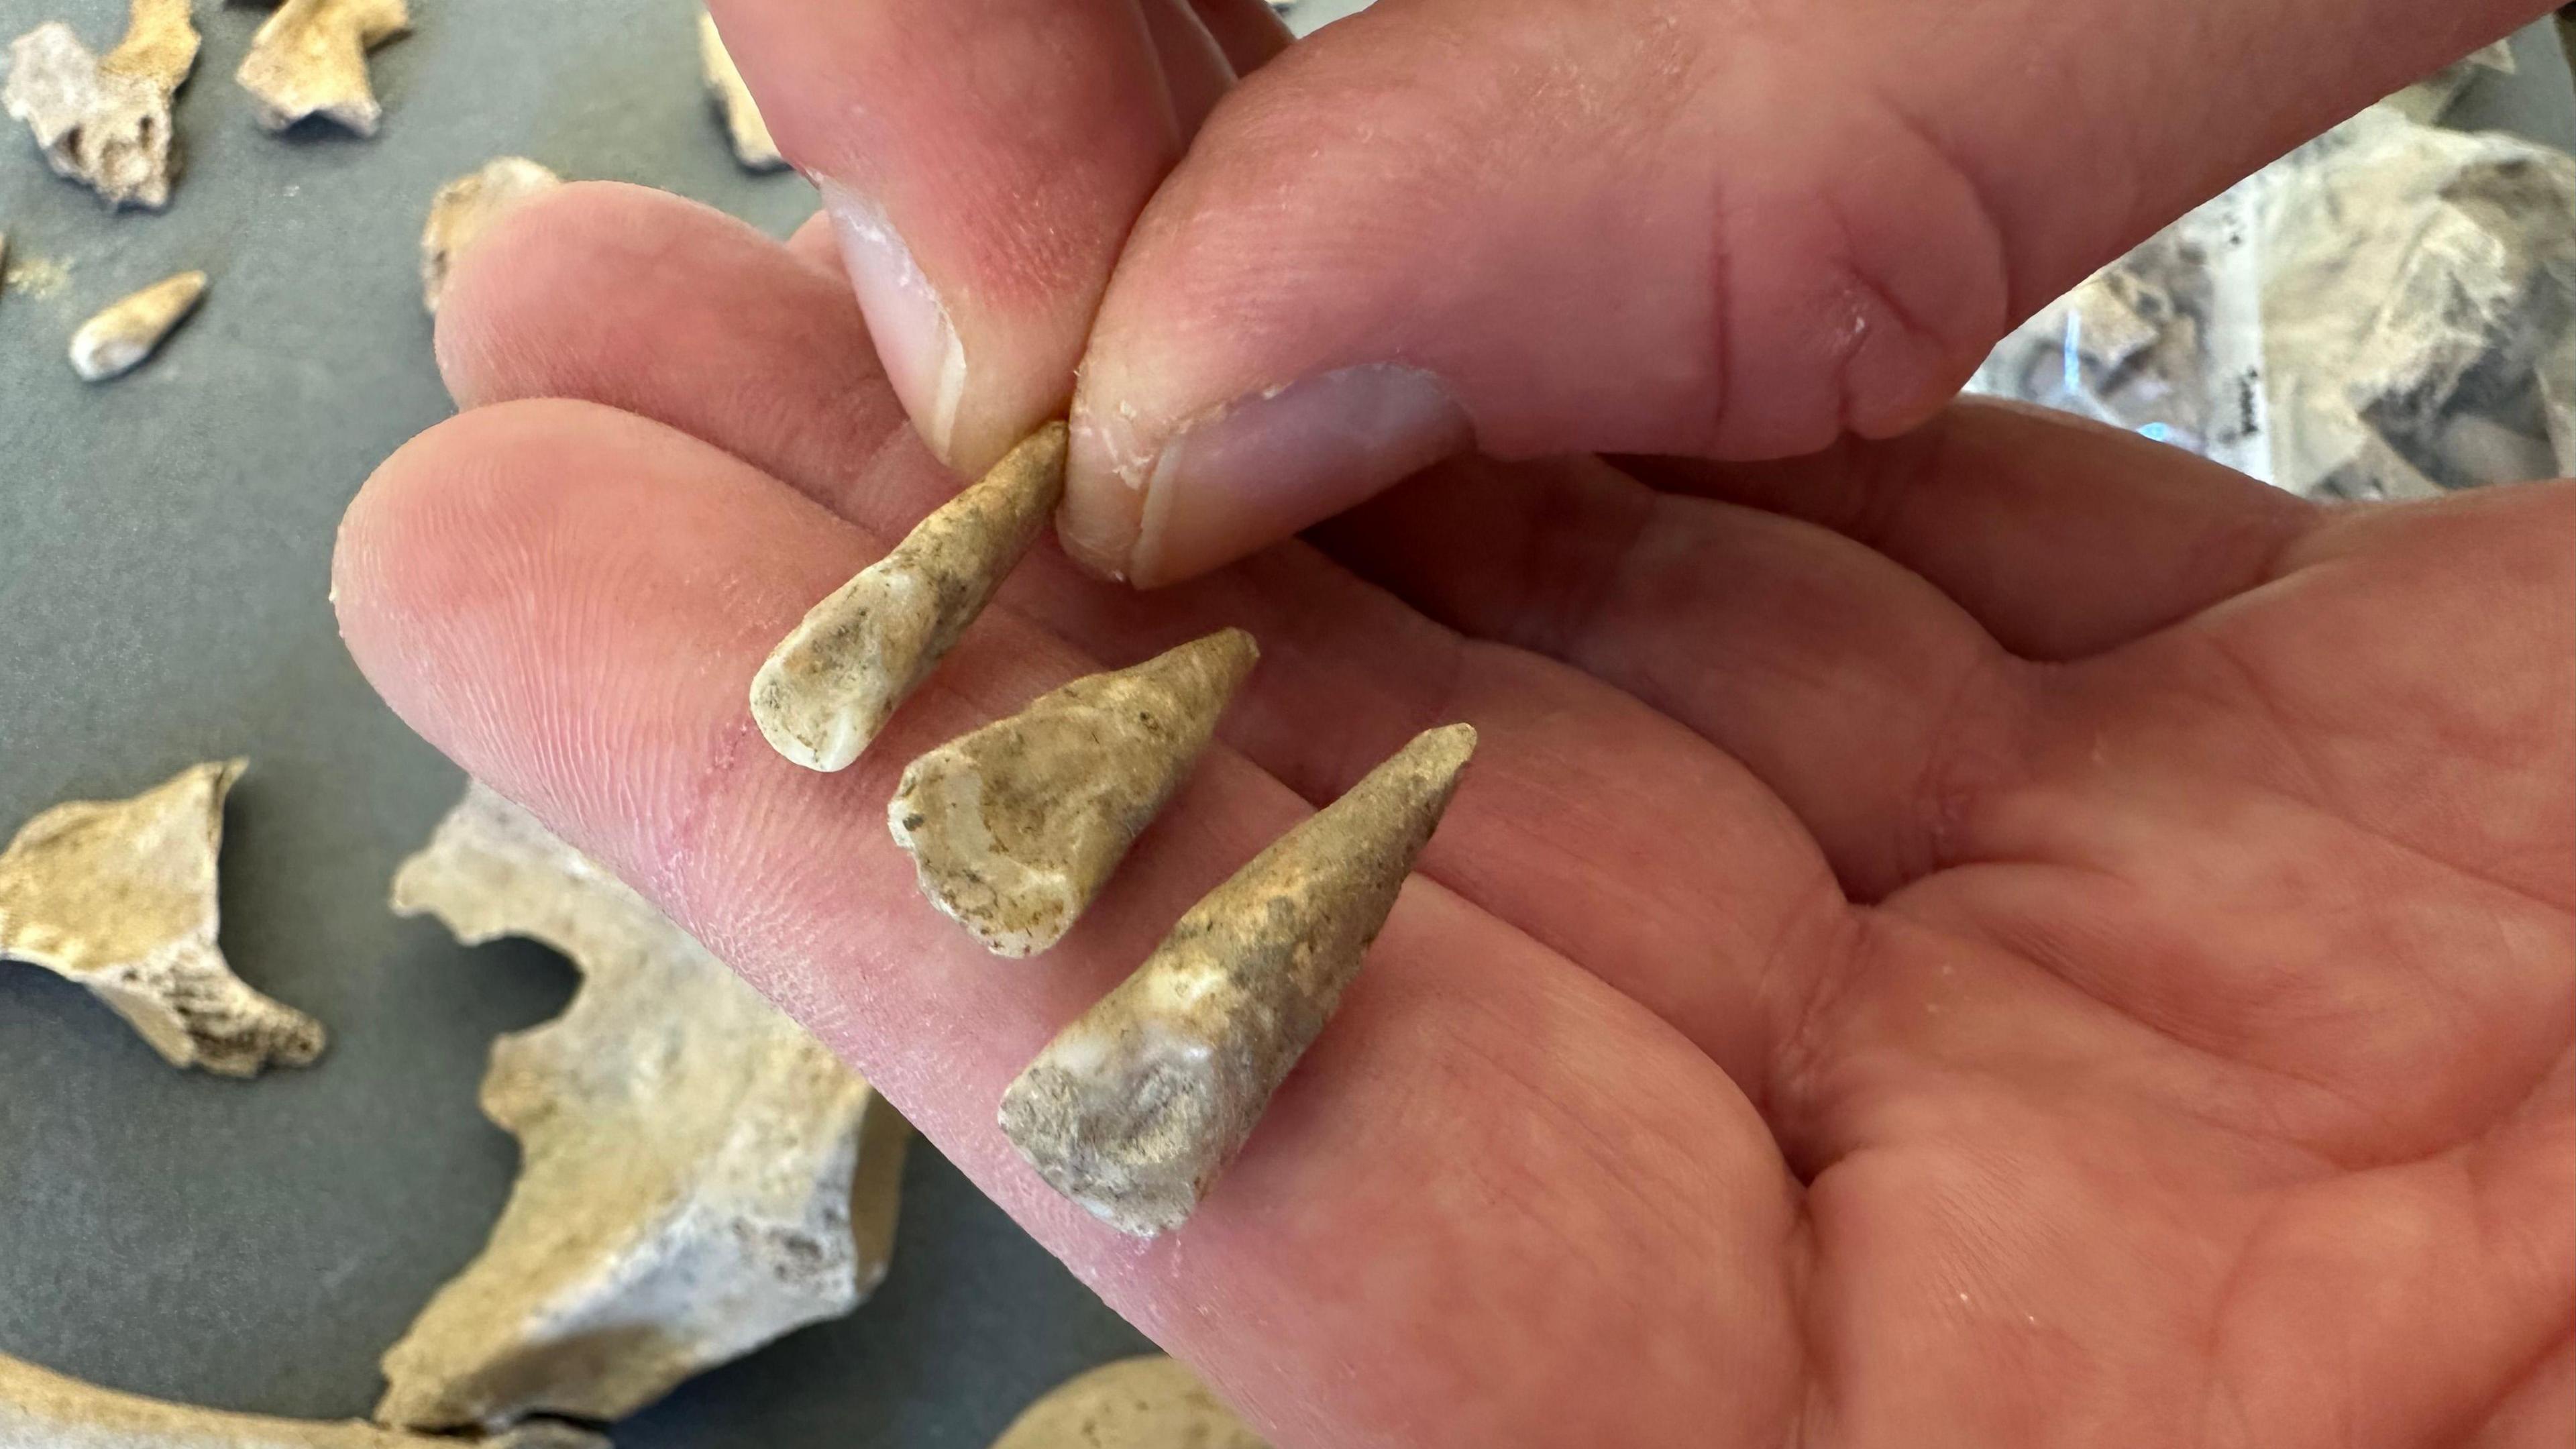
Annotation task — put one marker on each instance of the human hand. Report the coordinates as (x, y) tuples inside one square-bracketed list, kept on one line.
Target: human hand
[(1709, 228), (2008, 935)]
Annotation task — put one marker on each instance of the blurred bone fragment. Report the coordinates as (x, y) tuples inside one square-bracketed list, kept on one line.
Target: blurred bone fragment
[(41, 1409), (830, 686), (1015, 827), (733, 103), (1134, 1109), (698, 1175), (104, 121), (309, 58), (1147, 1402), (133, 327), (467, 207), (119, 896)]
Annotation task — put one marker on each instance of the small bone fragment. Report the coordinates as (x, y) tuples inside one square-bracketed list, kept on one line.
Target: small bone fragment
[(310, 59), (132, 327), (40, 1409), (105, 121), (1148, 1402), (698, 1175), (749, 133), (1015, 827), (1134, 1109), (119, 896), (832, 683), (466, 207)]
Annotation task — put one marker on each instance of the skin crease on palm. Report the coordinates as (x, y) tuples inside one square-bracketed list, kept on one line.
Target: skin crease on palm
[(2008, 934)]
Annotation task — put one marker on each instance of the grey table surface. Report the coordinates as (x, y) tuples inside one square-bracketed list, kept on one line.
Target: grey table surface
[(164, 542)]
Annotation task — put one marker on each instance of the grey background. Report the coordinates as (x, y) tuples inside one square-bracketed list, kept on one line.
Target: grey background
[(164, 542)]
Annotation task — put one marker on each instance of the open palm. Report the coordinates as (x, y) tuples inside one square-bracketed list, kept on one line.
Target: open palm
[(2010, 935)]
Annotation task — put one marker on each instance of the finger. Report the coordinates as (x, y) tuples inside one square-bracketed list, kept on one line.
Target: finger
[(1871, 704), (592, 296), (1710, 230), (2061, 536), (567, 600), (982, 162), (813, 244)]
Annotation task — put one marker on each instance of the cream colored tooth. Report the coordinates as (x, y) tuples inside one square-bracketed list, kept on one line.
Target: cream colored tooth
[(120, 897), (467, 207), (132, 328), (40, 1409), (1015, 827), (834, 681), (309, 58), (1149, 1402), (752, 145), (1134, 1109), (697, 1175), (104, 121)]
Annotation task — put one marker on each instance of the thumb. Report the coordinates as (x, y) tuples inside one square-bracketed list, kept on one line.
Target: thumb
[(1724, 230)]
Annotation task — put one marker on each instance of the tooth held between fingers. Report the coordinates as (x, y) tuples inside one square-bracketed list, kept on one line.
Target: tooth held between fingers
[(1015, 827), (834, 681), (1134, 1109)]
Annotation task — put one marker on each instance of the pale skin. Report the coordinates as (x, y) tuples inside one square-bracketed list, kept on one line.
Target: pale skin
[(2006, 934)]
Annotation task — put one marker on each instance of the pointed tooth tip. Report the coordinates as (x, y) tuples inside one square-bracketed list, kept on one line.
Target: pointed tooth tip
[(1447, 745)]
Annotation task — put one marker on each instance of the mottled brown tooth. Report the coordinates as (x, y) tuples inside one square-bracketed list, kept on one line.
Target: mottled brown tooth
[(1134, 1109)]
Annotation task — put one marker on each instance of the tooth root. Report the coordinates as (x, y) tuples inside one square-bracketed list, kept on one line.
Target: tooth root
[(1134, 1109), (832, 683), (130, 329), (1014, 828)]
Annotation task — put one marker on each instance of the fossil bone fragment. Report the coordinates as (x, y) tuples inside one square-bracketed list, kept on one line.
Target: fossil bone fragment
[(41, 1409), (310, 59), (132, 327), (743, 125), (832, 683), (698, 1175), (119, 896), (1148, 1402), (466, 207), (1134, 1109), (104, 121), (1015, 827)]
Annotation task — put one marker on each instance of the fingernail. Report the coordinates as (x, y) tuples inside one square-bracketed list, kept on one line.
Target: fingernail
[(915, 338), (1257, 470)]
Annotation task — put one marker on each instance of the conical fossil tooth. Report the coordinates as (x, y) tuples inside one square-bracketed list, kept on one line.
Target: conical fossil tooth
[(132, 327), (119, 896), (1015, 827), (1134, 1109), (832, 683)]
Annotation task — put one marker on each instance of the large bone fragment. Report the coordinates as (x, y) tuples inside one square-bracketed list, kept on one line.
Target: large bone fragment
[(1134, 1109), (1148, 1402), (104, 121), (466, 207), (40, 1409), (834, 681), (310, 59), (698, 1174), (1014, 827), (119, 896), (752, 145)]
